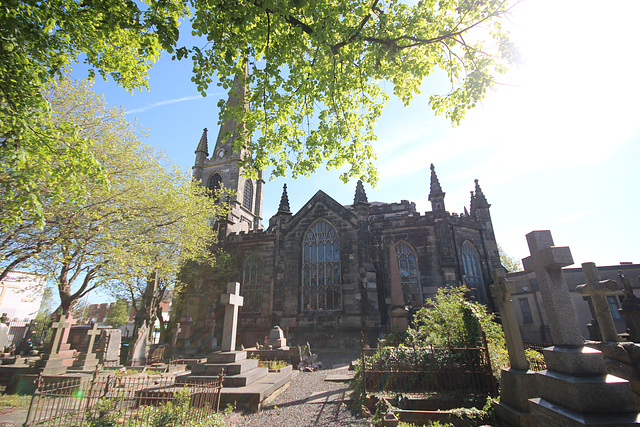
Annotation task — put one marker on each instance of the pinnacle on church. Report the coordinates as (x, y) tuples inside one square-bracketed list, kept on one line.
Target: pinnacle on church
[(361, 196), (203, 145), (481, 200), (436, 190), (284, 201), (472, 205)]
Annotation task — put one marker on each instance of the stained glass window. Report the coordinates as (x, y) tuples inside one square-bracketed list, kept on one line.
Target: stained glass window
[(321, 288), (473, 270), (247, 200), (408, 266), (250, 288)]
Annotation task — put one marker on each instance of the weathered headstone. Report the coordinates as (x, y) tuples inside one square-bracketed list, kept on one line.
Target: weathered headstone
[(141, 346), (575, 389), (597, 289), (109, 351), (233, 301), (630, 310), (60, 355), (88, 361), (276, 339), (398, 311), (4, 336), (518, 382)]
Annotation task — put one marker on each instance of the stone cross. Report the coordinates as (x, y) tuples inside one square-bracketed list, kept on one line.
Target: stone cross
[(92, 336), (65, 333), (233, 301), (597, 290), (502, 289), (547, 260), (176, 332), (60, 326)]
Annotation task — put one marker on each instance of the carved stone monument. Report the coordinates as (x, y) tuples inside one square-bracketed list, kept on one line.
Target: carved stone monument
[(109, 350), (276, 339), (598, 289), (398, 312), (88, 361), (575, 389), (233, 301), (60, 355), (518, 382)]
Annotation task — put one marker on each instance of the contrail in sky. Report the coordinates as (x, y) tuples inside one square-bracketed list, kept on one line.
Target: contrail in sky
[(161, 103)]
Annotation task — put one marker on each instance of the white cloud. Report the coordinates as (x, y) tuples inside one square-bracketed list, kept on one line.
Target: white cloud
[(162, 103)]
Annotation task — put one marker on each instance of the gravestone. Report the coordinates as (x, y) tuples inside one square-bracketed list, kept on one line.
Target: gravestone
[(575, 389), (109, 350), (232, 302), (597, 290), (4, 336), (397, 311), (630, 310), (140, 346), (276, 339), (87, 361), (60, 355), (518, 383)]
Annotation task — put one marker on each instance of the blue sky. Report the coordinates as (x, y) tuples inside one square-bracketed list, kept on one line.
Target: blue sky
[(556, 146)]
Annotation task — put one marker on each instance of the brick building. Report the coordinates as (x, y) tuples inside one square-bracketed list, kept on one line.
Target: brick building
[(323, 273)]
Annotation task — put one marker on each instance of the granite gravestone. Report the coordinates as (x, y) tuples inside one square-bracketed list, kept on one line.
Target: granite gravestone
[(518, 383), (575, 389), (597, 290)]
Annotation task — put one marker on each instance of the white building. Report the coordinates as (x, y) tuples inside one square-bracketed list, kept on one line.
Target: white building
[(21, 294)]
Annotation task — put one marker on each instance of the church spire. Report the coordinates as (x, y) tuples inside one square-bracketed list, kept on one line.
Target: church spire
[(436, 195), (232, 126), (436, 190), (472, 204), (284, 202), (480, 198), (361, 196), (203, 146)]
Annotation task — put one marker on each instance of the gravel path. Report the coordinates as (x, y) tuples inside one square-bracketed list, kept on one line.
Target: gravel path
[(308, 401)]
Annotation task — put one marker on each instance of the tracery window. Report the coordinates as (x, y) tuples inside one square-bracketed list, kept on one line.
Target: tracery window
[(408, 266), (321, 288), (473, 270), (247, 199), (250, 289), (214, 183)]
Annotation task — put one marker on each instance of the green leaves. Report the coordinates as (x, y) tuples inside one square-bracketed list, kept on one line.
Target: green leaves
[(313, 73)]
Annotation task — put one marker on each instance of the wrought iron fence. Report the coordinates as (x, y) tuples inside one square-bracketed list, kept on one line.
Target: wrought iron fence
[(419, 370), (126, 401)]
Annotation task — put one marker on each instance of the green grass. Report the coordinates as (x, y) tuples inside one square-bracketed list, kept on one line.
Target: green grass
[(14, 401)]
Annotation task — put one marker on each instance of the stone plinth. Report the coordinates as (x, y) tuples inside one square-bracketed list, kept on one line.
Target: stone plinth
[(518, 386), (276, 339)]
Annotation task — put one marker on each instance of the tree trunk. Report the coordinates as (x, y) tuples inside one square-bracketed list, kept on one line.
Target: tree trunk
[(139, 351)]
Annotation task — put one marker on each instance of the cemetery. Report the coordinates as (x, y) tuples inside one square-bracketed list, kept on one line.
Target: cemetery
[(467, 371)]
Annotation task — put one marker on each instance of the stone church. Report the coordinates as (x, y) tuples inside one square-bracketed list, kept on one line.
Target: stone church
[(329, 272)]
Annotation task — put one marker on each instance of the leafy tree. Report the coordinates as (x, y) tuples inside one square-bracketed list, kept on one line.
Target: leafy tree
[(40, 157), (148, 217), (119, 314), (312, 72), (510, 263)]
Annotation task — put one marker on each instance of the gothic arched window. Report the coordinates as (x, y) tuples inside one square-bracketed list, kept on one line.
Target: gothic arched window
[(247, 199), (214, 183), (473, 270), (408, 266), (250, 288), (321, 288)]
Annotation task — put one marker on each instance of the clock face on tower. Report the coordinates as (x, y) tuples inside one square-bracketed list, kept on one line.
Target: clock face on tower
[(221, 153)]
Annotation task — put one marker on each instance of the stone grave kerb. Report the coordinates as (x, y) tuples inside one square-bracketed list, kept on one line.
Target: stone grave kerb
[(547, 260), (233, 301), (597, 290), (501, 290)]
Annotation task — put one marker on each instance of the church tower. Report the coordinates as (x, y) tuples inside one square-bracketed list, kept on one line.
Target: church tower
[(222, 169)]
